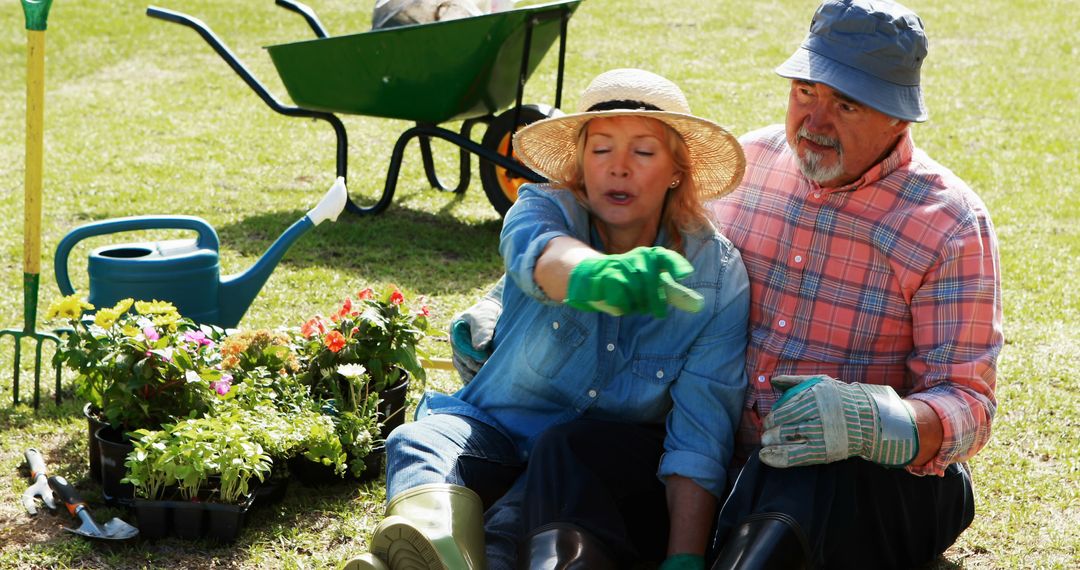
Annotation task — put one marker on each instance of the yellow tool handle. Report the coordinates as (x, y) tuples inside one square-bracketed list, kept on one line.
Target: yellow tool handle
[(35, 118)]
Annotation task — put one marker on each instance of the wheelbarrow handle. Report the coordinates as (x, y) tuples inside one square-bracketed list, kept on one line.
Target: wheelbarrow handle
[(37, 14), (207, 239), (67, 494)]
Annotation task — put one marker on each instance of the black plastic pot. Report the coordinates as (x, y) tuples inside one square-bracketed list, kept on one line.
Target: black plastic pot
[(270, 491), (224, 521), (392, 405), (153, 518), (113, 451), (94, 450), (187, 519), (314, 474), (191, 520)]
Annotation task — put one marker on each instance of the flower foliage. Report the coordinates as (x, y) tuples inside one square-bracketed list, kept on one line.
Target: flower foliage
[(354, 354), (379, 331), (140, 368)]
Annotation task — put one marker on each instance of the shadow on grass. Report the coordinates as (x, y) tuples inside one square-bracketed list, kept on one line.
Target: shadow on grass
[(412, 247)]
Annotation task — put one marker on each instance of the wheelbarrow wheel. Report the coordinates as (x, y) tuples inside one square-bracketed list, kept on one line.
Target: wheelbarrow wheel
[(501, 185)]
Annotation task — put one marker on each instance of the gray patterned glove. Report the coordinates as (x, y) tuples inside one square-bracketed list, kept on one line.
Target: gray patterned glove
[(821, 420), (472, 331)]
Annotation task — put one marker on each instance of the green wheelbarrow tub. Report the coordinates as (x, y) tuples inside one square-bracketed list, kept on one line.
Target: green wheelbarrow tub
[(427, 73)]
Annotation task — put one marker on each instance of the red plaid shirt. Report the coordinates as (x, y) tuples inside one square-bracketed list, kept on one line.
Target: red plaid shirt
[(893, 279)]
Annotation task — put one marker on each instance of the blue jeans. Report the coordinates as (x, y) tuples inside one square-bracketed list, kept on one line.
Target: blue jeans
[(444, 448)]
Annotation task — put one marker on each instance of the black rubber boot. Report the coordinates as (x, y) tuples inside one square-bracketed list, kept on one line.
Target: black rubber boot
[(564, 546), (765, 541)]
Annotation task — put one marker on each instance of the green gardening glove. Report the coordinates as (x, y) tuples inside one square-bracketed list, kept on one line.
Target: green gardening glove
[(639, 281), (821, 420), (683, 562)]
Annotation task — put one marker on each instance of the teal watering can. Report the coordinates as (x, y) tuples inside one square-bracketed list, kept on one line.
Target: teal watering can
[(183, 272)]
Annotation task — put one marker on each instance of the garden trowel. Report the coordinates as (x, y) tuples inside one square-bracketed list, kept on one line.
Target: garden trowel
[(115, 529), (40, 485)]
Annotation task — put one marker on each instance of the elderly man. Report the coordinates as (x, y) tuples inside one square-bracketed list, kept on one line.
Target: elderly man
[(875, 320)]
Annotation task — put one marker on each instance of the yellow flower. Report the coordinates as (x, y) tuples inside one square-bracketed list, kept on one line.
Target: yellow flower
[(70, 307), (167, 320), (155, 308), (131, 331), (106, 318), (122, 306)]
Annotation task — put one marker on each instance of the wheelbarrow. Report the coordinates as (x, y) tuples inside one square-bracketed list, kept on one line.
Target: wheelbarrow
[(472, 69)]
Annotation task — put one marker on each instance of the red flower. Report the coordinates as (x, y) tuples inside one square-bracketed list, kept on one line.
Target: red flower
[(346, 308), (311, 327), (424, 311), (396, 297), (335, 341), (365, 294)]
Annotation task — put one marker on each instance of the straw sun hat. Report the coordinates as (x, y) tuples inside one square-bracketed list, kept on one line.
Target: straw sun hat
[(716, 158)]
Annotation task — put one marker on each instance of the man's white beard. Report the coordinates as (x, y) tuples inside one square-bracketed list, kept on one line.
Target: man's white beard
[(811, 167), (810, 162)]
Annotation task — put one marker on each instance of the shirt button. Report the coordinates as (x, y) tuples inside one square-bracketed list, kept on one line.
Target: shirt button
[(817, 194), (798, 259), (761, 378), (659, 373), (555, 325), (610, 347), (592, 393), (782, 323)]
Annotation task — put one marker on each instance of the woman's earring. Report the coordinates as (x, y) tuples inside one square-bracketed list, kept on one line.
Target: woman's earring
[(674, 183)]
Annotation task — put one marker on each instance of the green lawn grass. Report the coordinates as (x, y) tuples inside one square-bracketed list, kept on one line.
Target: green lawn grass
[(142, 117)]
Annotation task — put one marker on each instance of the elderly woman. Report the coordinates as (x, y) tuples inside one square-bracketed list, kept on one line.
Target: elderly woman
[(601, 355)]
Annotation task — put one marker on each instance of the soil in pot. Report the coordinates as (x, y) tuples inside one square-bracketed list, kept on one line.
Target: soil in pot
[(93, 423), (114, 448)]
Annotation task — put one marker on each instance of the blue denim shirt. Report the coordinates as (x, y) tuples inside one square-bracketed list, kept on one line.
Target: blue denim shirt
[(552, 364)]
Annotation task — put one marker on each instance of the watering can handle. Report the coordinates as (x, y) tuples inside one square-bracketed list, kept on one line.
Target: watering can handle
[(37, 14), (207, 239)]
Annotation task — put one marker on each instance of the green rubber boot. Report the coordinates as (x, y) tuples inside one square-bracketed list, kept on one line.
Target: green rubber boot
[(432, 527), (365, 561)]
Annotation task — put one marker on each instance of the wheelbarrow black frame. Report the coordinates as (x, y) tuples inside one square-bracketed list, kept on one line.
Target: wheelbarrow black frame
[(424, 132)]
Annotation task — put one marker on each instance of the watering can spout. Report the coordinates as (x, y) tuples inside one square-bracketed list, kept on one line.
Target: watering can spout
[(238, 291)]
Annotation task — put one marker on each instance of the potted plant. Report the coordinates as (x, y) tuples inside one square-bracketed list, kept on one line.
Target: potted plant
[(357, 363), (138, 364), (196, 476)]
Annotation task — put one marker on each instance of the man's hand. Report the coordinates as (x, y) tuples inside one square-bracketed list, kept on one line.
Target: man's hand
[(639, 281), (821, 420), (471, 333)]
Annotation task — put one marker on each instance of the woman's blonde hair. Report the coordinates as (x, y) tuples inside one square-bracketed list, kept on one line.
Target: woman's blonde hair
[(683, 211)]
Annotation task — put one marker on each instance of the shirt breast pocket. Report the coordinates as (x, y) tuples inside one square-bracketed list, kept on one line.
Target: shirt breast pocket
[(658, 369), (553, 340)]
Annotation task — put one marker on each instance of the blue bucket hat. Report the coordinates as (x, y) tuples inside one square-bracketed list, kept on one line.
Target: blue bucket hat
[(868, 50)]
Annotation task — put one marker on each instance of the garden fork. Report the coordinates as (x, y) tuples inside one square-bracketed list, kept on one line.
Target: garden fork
[(36, 12)]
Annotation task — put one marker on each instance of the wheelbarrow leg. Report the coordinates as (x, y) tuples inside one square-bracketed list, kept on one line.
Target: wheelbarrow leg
[(464, 158)]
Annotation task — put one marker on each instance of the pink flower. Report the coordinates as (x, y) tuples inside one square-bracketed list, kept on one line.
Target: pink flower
[(198, 337), (222, 386), (150, 333)]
